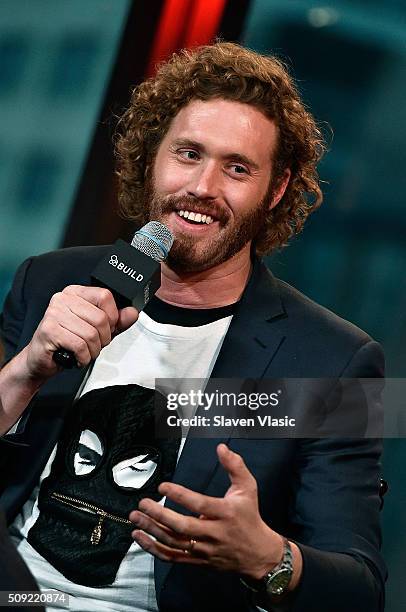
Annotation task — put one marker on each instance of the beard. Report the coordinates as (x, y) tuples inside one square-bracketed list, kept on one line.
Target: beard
[(191, 253)]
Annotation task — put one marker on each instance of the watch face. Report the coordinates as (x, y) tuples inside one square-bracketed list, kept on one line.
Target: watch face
[(279, 581)]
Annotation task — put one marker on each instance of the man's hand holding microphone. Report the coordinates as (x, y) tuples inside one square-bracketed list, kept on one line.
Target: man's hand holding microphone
[(80, 321)]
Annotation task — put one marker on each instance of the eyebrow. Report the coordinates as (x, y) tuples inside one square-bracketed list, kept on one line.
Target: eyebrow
[(237, 157)]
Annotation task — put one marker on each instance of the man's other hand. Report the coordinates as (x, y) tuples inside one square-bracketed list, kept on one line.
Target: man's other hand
[(226, 533)]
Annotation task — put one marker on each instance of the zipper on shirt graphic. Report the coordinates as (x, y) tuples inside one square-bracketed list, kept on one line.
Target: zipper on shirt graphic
[(79, 504)]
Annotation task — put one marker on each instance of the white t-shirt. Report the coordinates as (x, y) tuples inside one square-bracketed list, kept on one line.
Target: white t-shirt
[(146, 351)]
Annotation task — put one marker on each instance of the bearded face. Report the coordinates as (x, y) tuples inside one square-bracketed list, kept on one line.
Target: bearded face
[(200, 246), (210, 181)]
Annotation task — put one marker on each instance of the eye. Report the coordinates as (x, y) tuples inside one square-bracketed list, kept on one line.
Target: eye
[(239, 169), (188, 154), (135, 472), (88, 454)]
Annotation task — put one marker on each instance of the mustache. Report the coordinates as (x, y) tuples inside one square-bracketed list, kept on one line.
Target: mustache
[(219, 213)]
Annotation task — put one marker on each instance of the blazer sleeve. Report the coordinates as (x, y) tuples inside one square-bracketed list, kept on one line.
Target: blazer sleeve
[(335, 516), (14, 312), (13, 338)]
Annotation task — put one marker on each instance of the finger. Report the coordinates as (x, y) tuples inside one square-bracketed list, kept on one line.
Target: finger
[(186, 525), (235, 467), (52, 336), (198, 503), (94, 316), (98, 296), (85, 332), (81, 310), (160, 532), (126, 318), (165, 553)]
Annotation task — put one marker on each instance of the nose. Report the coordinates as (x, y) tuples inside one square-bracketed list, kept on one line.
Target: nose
[(205, 183)]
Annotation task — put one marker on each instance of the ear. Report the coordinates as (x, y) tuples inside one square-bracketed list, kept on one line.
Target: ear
[(278, 194)]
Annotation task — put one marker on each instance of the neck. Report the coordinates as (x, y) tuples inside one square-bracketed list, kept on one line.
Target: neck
[(212, 288)]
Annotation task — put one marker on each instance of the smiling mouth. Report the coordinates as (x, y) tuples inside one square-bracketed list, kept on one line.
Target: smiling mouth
[(195, 218)]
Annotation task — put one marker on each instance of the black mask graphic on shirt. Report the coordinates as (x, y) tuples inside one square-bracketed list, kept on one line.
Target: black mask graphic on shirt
[(107, 460)]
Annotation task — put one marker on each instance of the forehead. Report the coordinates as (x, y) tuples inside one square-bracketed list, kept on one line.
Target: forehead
[(226, 127)]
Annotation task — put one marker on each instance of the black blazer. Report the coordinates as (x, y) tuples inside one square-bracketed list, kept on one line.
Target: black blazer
[(323, 494)]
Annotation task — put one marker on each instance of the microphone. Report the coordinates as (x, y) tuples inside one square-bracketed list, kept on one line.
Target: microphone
[(131, 272)]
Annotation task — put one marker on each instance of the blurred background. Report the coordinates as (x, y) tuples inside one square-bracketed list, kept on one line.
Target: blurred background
[(66, 69)]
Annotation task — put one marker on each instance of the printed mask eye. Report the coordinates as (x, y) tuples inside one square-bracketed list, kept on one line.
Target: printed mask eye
[(89, 453), (135, 472)]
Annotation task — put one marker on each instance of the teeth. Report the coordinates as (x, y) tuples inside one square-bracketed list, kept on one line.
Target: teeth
[(197, 217)]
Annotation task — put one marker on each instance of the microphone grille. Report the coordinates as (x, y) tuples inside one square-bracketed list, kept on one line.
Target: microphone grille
[(154, 239)]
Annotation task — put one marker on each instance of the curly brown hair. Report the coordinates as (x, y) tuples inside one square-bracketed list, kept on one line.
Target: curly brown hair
[(228, 71)]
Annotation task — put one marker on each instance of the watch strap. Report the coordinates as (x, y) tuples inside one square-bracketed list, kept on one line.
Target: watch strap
[(284, 567)]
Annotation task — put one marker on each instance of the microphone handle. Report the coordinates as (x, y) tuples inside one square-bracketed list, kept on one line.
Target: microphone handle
[(65, 359)]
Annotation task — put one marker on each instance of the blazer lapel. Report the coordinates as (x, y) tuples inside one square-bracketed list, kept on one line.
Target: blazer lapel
[(253, 340), (250, 345), (248, 349)]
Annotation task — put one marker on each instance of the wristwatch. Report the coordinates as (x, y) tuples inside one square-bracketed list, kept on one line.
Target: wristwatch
[(276, 581)]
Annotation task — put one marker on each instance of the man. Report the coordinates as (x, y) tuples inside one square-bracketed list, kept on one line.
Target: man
[(219, 147)]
